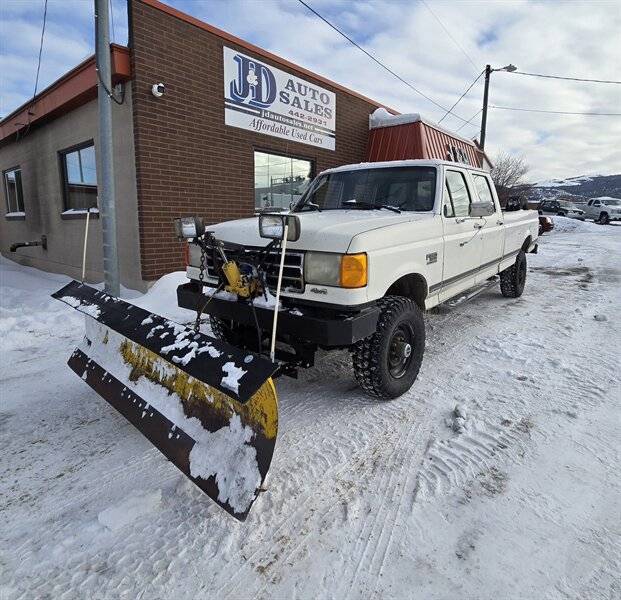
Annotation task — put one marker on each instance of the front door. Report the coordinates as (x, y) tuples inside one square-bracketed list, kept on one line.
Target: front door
[(462, 242), (492, 230)]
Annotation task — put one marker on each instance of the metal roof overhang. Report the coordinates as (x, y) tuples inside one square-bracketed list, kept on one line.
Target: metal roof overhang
[(73, 89)]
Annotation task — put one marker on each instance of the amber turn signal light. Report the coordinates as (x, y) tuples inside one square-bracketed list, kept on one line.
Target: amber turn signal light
[(354, 270)]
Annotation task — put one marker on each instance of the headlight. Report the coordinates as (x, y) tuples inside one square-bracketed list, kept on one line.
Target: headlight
[(338, 270), (273, 227), (189, 227), (322, 268)]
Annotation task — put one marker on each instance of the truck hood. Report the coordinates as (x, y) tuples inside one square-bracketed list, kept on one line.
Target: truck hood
[(326, 231)]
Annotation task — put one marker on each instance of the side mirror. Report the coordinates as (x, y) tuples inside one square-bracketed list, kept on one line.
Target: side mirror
[(481, 209)]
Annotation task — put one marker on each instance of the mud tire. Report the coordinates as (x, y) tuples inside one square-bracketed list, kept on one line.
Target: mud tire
[(376, 359), (513, 279)]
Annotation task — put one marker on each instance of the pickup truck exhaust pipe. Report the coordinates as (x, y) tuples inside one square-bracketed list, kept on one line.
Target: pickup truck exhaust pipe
[(42, 242)]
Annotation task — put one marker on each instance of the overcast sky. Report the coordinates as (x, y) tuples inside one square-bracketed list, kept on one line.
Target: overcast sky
[(580, 39)]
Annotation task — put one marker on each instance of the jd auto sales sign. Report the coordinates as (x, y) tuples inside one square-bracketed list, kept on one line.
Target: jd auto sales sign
[(266, 100)]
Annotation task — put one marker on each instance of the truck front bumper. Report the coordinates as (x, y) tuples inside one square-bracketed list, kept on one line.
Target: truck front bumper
[(325, 327)]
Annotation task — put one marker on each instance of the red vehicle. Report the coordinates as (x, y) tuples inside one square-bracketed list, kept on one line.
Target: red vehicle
[(545, 224)]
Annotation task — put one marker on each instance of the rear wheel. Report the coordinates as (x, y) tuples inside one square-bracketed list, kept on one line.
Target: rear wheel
[(387, 363), (604, 219), (513, 279)]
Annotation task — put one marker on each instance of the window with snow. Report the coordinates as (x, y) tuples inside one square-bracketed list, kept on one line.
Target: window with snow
[(13, 191), (279, 180), (79, 174)]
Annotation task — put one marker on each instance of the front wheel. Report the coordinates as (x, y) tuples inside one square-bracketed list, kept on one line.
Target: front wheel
[(513, 279), (387, 363), (604, 219)]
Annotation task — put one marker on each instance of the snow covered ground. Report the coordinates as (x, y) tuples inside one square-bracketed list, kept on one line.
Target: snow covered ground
[(497, 476)]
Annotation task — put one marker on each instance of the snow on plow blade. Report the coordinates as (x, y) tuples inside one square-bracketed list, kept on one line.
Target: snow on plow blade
[(209, 407)]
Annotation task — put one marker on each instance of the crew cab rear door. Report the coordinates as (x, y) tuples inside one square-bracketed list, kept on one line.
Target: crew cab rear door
[(462, 244), (492, 229)]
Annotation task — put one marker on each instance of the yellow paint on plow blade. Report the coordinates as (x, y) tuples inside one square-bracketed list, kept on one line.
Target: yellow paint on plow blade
[(199, 399)]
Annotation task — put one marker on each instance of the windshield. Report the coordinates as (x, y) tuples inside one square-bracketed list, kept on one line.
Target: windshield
[(403, 188), (612, 202)]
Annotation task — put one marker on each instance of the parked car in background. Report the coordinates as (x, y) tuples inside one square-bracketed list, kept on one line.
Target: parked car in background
[(561, 208), (603, 210), (545, 224)]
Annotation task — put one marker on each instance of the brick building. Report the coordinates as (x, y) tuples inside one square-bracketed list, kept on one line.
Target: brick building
[(235, 129)]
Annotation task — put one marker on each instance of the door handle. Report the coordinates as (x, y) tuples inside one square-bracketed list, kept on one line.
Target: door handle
[(478, 225), (499, 222)]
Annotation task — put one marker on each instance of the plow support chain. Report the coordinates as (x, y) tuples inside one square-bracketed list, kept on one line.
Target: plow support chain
[(209, 407)]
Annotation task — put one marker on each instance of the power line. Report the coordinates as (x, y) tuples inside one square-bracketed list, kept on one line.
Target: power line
[(557, 112), (469, 121), (381, 64), (564, 78), (449, 34), (450, 110), (40, 52)]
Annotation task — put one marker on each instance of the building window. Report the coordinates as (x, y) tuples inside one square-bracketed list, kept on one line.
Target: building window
[(79, 174), (279, 180), (13, 191)]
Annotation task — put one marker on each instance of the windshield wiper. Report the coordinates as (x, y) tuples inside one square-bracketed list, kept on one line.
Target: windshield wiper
[(370, 205)]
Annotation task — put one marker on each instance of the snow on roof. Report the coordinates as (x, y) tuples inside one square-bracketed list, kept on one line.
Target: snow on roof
[(382, 118)]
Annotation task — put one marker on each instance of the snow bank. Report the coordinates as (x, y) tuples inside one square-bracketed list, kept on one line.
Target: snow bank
[(567, 225), (161, 298), (26, 310)]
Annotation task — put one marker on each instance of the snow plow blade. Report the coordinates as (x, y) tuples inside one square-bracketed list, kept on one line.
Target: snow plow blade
[(209, 407)]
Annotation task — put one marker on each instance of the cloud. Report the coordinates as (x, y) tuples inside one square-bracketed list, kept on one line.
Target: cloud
[(567, 38)]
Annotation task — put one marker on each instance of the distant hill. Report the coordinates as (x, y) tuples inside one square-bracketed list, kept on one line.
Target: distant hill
[(580, 188)]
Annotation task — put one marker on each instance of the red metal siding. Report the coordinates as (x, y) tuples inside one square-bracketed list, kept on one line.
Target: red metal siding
[(439, 144), (395, 143), (417, 140)]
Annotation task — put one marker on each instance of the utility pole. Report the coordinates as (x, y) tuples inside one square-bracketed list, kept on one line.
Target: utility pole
[(488, 72), (106, 179)]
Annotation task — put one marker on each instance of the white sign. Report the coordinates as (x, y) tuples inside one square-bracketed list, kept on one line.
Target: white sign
[(266, 100)]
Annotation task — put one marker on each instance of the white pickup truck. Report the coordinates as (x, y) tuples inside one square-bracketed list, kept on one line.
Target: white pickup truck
[(603, 210), (373, 246)]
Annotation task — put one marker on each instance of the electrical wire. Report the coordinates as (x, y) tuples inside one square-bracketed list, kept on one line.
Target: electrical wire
[(469, 121), (36, 85), (557, 112), (449, 34), (40, 50), (565, 78), (450, 110), (373, 58)]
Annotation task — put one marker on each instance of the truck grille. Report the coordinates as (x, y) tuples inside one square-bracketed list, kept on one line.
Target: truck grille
[(293, 271)]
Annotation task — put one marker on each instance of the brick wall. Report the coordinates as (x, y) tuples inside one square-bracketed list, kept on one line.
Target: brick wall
[(187, 160)]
